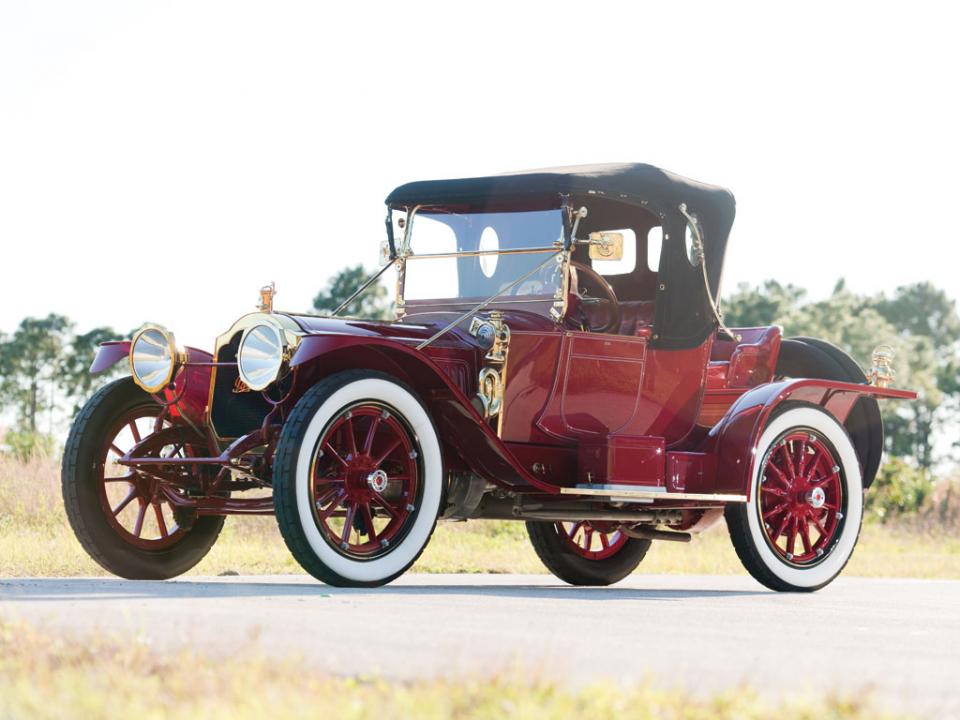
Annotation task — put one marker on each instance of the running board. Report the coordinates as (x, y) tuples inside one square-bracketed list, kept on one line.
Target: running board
[(630, 493)]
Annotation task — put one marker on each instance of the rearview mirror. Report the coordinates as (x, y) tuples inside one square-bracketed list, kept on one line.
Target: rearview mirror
[(606, 246)]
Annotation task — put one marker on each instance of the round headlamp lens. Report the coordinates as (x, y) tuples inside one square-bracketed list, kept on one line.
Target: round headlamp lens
[(152, 359), (260, 356)]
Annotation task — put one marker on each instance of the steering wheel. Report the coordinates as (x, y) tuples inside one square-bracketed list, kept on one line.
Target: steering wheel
[(589, 280)]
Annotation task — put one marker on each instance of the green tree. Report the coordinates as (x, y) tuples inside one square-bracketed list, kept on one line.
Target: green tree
[(927, 319), (372, 304), (44, 363), (764, 305), (31, 360)]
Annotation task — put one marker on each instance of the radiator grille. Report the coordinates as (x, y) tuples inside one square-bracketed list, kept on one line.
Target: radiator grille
[(234, 414)]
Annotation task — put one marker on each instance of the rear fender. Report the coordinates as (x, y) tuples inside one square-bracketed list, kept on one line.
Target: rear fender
[(458, 423), (735, 438)]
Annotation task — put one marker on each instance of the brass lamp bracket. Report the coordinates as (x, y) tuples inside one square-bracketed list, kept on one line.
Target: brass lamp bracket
[(266, 298), (882, 373)]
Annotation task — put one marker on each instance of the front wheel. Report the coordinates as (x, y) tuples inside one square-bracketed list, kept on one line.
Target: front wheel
[(802, 522), (358, 479), (586, 553), (120, 516)]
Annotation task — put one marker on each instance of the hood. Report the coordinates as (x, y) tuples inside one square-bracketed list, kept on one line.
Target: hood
[(401, 332)]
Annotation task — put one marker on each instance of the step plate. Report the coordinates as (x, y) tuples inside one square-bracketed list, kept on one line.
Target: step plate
[(631, 493)]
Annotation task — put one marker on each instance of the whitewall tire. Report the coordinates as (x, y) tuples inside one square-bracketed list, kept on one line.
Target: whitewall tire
[(802, 521), (358, 479)]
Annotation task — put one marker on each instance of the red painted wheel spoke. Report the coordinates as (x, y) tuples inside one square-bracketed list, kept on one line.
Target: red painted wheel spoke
[(805, 536), (135, 431), (383, 456), (351, 438), (118, 451), (381, 501), (778, 474), (604, 541), (783, 527), (572, 532), (161, 523), (819, 526), (333, 507), (328, 448), (773, 491), (775, 511), (587, 537), (792, 536), (787, 461), (348, 523), (126, 501), (799, 452), (141, 514), (368, 521), (371, 434)]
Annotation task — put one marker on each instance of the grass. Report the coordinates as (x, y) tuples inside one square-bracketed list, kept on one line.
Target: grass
[(35, 540), (45, 675)]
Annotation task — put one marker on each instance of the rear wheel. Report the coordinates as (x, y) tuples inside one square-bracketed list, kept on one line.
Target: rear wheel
[(120, 516), (586, 553), (802, 522), (358, 479)]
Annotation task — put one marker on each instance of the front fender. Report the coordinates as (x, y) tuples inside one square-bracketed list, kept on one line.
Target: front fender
[(458, 423), (735, 437), (109, 354)]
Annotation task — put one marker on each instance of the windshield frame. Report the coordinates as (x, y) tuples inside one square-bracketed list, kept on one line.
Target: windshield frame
[(557, 299)]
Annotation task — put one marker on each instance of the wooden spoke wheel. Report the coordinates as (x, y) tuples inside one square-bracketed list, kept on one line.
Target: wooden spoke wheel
[(586, 553), (801, 523), (121, 518)]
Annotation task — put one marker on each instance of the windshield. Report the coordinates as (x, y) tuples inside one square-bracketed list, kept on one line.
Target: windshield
[(472, 256)]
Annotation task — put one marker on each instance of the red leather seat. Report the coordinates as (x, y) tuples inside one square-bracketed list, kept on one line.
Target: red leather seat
[(636, 317), (744, 363)]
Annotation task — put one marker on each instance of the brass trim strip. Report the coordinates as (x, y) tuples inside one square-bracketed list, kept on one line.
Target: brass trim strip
[(651, 494), (480, 253)]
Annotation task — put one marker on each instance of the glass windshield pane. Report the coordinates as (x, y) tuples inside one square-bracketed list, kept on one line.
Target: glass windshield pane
[(508, 242)]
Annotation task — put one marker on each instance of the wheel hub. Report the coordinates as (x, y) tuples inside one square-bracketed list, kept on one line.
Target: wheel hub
[(816, 498), (377, 480)]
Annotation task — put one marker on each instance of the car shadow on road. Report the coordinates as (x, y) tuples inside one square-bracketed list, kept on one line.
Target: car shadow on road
[(100, 589)]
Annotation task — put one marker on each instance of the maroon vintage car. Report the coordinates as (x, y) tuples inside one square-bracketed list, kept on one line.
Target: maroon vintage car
[(557, 357)]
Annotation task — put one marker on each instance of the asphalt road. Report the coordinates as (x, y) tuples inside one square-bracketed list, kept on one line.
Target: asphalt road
[(896, 639)]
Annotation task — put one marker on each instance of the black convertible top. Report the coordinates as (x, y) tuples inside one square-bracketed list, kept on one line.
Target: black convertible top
[(683, 315), (632, 183)]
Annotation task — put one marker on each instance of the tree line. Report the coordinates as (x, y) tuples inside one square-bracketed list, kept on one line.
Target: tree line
[(44, 363)]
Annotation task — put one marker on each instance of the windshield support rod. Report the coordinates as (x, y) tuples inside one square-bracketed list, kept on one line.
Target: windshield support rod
[(477, 308), (363, 287)]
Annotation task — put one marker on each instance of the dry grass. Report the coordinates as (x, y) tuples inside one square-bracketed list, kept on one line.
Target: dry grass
[(46, 676), (35, 539)]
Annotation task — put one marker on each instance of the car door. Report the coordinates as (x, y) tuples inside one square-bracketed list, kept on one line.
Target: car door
[(598, 385)]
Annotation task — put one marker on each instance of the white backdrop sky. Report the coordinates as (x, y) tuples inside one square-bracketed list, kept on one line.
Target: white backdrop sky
[(161, 161)]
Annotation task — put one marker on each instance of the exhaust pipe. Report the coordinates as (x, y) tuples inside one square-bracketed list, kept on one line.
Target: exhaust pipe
[(642, 533)]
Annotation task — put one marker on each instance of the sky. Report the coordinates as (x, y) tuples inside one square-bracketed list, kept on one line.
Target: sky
[(162, 161)]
